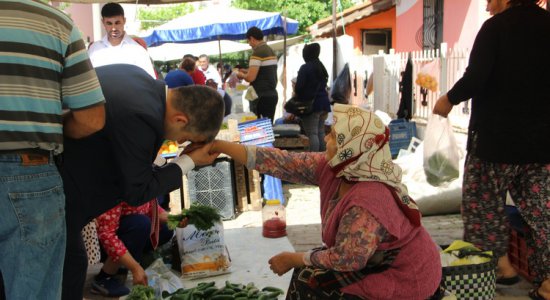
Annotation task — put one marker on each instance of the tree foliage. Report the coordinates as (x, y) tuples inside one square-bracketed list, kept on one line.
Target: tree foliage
[(59, 5), (154, 16), (306, 12)]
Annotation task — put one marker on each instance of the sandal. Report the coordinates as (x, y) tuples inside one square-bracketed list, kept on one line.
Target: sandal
[(534, 294)]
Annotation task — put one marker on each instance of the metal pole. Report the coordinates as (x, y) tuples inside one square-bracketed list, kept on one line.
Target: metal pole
[(221, 61), (334, 42), (284, 58)]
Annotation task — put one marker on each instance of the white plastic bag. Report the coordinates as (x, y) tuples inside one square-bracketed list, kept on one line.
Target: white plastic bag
[(251, 94), (441, 153), (203, 252), (161, 278), (428, 76)]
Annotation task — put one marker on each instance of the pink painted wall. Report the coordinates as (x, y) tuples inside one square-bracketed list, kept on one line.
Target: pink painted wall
[(409, 21), (83, 18), (461, 22)]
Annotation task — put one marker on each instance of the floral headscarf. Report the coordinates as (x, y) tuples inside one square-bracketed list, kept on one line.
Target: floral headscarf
[(363, 153)]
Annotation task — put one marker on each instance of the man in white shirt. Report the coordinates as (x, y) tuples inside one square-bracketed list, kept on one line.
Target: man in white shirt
[(117, 47), (209, 71)]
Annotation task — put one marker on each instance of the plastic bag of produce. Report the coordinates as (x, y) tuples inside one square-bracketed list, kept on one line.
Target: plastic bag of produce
[(441, 153), (203, 252), (428, 76), (160, 278)]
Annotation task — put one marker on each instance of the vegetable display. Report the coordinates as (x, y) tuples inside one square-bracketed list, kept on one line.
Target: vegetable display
[(141, 292), (230, 291), (200, 215)]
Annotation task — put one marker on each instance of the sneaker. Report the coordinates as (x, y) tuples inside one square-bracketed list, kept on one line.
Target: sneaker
[(109, 287), (121, 275)]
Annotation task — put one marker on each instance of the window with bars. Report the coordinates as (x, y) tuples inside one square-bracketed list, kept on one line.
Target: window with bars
[(430, 34)]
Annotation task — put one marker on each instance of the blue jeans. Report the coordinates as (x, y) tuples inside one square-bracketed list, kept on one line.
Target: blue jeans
[(314, 126), (32, 229)]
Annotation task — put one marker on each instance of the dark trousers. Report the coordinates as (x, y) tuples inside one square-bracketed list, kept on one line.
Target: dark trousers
[(76, 259), (264, 107), (134, 231), (2, 293)]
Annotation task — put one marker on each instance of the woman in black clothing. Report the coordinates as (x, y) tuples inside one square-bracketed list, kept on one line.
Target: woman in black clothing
[(311, 83), (508, 145)]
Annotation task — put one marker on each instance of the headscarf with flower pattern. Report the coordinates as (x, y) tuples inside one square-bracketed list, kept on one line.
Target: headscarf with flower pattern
[(363, 153)]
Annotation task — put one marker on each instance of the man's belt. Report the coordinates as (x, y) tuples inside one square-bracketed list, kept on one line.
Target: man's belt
[(30, 157)]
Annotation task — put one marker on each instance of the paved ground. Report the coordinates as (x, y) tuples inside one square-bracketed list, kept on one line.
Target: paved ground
[(303, 228)]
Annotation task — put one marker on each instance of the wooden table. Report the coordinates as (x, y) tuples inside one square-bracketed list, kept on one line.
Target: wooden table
[(292, 143)]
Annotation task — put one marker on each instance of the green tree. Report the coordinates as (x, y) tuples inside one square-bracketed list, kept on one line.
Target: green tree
[(154, 16), (59, 5), (306, 12)]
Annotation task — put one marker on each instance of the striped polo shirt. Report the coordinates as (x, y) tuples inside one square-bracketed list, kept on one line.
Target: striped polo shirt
[(44, 67), (265, 83)]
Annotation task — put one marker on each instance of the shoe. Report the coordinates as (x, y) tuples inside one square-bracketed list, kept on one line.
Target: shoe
[(508, 280), (121, 275), (109, 287), (534, 294)]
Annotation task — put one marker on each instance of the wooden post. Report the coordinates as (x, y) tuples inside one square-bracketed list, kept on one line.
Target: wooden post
[(334, 42)]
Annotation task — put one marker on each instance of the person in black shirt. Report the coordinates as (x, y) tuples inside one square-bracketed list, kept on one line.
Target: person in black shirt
[(262, 75), (508, 146), (116, 163)]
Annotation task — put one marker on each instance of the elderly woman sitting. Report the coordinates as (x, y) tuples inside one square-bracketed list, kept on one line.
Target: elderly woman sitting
[(374, 244)]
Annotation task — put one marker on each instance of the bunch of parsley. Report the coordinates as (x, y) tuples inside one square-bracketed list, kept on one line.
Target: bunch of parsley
[(200, 215)]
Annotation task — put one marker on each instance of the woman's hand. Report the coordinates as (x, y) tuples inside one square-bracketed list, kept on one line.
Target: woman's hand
[(139, 276), (443, 106), (202, 155), (284, 261), (163, 217)]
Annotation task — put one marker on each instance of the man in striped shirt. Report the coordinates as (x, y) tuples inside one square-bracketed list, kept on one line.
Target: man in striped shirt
[(44, 67), (262, 75)]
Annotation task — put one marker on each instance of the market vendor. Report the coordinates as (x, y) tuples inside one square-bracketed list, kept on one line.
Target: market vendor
[(116, 164), (375, 245)]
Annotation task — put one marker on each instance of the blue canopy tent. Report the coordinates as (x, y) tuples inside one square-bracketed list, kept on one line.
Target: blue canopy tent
[(219, 23), (223, 23)]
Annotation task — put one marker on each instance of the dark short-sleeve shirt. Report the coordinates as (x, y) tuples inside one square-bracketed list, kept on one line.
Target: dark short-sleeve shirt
[(265, 83)]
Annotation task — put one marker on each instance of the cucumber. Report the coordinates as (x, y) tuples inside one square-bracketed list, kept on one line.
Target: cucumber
[(240, 294), (251, 292), (222, 297), (209, 291), (272, 289)]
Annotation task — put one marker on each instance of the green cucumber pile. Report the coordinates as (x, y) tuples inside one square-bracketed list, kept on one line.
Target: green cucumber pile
[(231, 291)]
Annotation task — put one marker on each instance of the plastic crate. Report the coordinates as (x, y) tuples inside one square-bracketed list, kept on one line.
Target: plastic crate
[(214, 186), (256, 132), (401, 133), (518, 251)]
